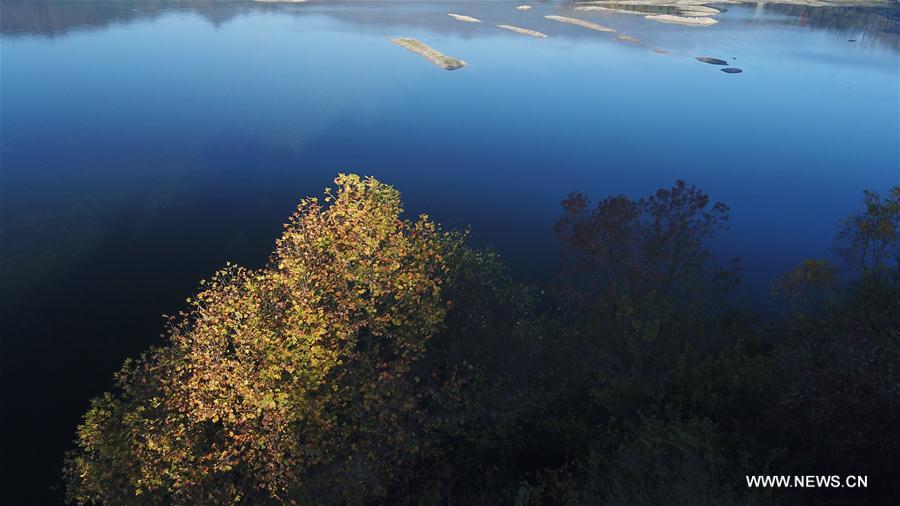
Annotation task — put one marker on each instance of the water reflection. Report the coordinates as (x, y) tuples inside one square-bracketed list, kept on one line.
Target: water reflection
[(875, 25), (49, 18), (52, 18)]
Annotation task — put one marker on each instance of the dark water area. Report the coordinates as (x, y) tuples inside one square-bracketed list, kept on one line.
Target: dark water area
[(144, 144)]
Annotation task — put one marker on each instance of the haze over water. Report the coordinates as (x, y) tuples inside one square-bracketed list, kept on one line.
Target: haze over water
[(144, 144)]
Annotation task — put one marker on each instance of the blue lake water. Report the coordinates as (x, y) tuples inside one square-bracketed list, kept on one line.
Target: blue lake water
[(144, 144)]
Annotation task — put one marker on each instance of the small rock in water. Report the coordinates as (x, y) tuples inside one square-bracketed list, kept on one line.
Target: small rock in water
[(731, 70), (851, 40), (711, 61)]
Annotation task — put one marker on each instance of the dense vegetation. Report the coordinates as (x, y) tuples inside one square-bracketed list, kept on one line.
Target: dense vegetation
[(378, 360)]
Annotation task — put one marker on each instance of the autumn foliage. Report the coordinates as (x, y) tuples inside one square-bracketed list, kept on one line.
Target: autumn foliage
[(300, 379), (381, 360)]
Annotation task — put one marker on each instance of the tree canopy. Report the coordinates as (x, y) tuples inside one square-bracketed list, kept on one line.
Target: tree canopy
[(381, 360)]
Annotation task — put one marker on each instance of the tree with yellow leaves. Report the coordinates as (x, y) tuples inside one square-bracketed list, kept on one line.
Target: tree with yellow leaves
[(300, 381)]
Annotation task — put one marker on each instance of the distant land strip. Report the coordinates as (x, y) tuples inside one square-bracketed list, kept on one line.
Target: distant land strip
[(523, 31), (467, 19), (681, 20), (580, 22), (610, 9), (420, 48)]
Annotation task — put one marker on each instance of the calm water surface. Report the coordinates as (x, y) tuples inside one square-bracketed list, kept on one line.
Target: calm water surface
[(144, 144)]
